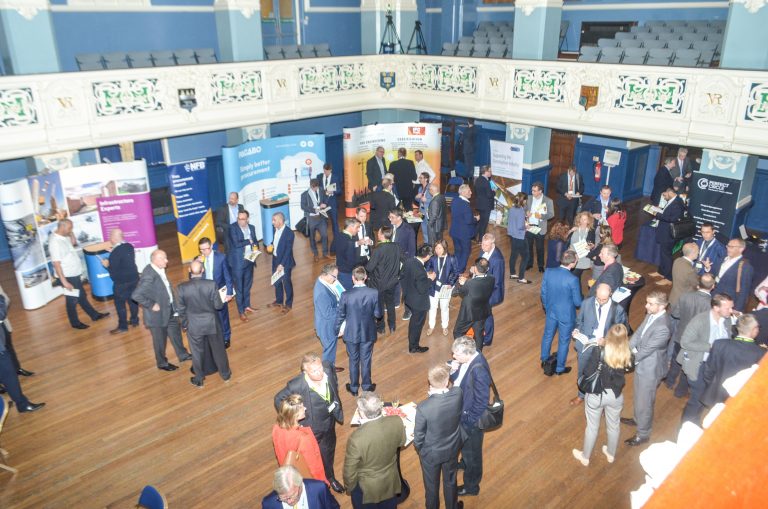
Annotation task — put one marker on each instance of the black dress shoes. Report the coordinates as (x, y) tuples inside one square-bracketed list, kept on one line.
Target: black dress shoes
[(197, 383), (371, 388), (349, 390), (565, 371), (186, 358), (100, 316), (338, 369), (462, 492), (227, 344), (31, 407), (635, 441), (80, 326), (337, 486), (168, 367), (418, 349), (24, 372), (628, 421), (407, 315)]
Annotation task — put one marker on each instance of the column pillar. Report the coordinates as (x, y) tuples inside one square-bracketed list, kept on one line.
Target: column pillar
[(537, 29), (238, 30), (535, 142), (27, 43), (745, 37)]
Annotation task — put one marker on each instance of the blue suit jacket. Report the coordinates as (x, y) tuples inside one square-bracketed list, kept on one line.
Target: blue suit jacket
[(587, 320), (358, 307), (673, 212), (496, 269), (716, 254), (728, 283), (405, 237), (463, 223), (595, 206), (560, 294), (318, 497), (331, 201), (282, 254), (326, 306), (347, 253), (476, 388), (449, 274), (221, 274), (236, 247)]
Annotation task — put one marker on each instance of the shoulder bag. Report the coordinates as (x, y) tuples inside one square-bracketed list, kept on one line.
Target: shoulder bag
[(493, 416)]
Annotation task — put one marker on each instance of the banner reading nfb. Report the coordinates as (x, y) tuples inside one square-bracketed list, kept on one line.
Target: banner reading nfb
[(191, 207)]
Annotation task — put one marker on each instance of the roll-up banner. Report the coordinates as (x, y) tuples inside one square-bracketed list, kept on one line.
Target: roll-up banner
[(97, 198), (269, 172), (191, 207), (360, 145), (507, 160)]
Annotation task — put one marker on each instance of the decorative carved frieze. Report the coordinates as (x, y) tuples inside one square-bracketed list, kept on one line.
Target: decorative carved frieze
[(17, 107), (322, 79), (236, 87), (645, 93), (539, 85), (455, 79), (125, 97), (757, 103)]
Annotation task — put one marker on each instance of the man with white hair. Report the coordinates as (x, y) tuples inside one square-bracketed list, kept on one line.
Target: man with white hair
[(463, 226), (291, 490)]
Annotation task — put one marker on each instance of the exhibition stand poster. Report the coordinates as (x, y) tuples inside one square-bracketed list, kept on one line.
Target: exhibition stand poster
[(191, 206)]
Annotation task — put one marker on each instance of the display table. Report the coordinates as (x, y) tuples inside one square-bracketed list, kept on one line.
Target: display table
[(268, 208), (101, 283), (647, 249)]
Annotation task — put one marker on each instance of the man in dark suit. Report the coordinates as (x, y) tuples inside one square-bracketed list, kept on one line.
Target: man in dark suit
[(437, 438), (282, 260), (370, 464), (463, 226), (365, 235), (570, 187), (436, 215), (156, 296), (216, 269), (384, 268), (663, 180), (735, 276), (381, 202), (359, 308), (330, 188), (405, 175), (475, 304), (683, 170), (225, 216), (712, 252), (684, 278), (597, 315), (325, 298), (485, 199), (242, 241), (199, 301), (315, 210), (496, 270), (422, 200), (9, 377), (375, 169), (471, 373), (289, 486), (469, 139), (348, 251), (728, 357), (598, 206), (672, 213), (417, 284), (121, 265), (560, 296), (6, 324), (404, 236), (319, 389), (613, 273), (649, 344)]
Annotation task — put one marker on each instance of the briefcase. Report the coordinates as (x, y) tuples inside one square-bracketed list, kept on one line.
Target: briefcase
[(683, 229)]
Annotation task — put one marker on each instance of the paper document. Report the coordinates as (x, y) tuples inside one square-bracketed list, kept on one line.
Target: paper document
[(583, 339), (223, 293), (582, 248), (276, 276), (251, 255), (331, 188), (445, 292), (652, 209), (74, 292), (534, 229), (620, 294), (413, 219), (342, 328)]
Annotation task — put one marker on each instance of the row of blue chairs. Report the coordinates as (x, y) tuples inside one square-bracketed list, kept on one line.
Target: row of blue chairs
[(477, 50), (645, 56), (290, 51), (139, 59)]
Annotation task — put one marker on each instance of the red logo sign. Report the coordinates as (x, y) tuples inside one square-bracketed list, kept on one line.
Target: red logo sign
[(417, 130), (308, 162), (347, 136)]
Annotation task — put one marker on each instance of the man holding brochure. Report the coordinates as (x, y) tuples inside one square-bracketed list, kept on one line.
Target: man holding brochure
[(215, 269), (282, 263), (242, 251)]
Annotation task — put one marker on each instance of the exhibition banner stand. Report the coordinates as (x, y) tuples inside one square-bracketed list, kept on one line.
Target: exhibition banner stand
[(191, 207)]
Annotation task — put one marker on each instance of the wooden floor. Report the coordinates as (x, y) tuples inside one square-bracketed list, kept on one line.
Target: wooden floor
[(114, 423)]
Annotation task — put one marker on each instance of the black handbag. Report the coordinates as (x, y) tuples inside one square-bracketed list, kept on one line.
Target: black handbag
[(592, 384), (683, 229), (303, 226), (493, 416)]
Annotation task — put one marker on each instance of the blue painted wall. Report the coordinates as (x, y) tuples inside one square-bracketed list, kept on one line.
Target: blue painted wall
[(757, 219), (626, 178), (196, 146)]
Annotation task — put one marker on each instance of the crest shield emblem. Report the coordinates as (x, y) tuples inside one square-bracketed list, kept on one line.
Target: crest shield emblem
[(588, 96), (387, 80)]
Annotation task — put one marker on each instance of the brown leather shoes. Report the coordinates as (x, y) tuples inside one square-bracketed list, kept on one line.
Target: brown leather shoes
[(243, 317), (576, 401)]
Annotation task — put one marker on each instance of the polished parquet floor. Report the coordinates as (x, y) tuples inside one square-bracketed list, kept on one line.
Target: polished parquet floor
[(114, 423)]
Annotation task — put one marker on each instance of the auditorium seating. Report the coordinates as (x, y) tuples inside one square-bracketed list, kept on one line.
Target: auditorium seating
[(291, 51), (139, 59), (489, 40)]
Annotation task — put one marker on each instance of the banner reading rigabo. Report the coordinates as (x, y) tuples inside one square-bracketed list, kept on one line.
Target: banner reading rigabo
[(96, 198), (191, 206), (360, 145)]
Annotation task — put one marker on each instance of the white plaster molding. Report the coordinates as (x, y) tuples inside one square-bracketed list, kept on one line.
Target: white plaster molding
[(256, 132), (310, 9), (528, 6), (495, 8), (536, 166), (646, 6), (519, 132), (57, 161), (751, 6), (383, 5), (725, 161), (246, 7), (632, 145), (27, 9), (433, 10), (128, 7)]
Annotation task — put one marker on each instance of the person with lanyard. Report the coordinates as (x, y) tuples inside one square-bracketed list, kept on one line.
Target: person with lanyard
[(423, 199), (330, 190), (363, 235), (315, 210), (711, 251), (598, 207), (242, 242), (348, 251), (319, 388), (375, 169), (444, 265), (539, 210), (282, 261), (735, 276), (325, 298)]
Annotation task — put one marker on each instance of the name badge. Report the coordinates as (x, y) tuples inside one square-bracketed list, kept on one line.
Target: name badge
[(438, 283), (332, 407)]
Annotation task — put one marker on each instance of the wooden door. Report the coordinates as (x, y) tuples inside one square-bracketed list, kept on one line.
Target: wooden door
[(561, 148)]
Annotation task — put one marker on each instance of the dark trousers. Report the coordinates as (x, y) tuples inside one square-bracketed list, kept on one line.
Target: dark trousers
[(10, 380), (198, 345), (345, 278), (488, 329), (692, 410), (284, 289), (431, 474), (318, 224), (665, 259), (472, 456), (564, 330), (333, 217), (357, 501), (327, 441), (478, 328), (10, 350), (675, 371), (122, 295), (519, 248), (160, 337), (538, 240), (72, 302), (462, 248), (415, 326), (242, 280), (386, 303), (226, 328), (566, 209), (360, 355), (482, 223), (397, 294)]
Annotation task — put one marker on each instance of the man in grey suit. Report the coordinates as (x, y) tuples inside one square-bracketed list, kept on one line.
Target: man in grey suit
[(155, 295), (698, 338), (437, 437), (436, 219), (538, 209), (199, 302), (649, 344), (688, 305), (598, 314)]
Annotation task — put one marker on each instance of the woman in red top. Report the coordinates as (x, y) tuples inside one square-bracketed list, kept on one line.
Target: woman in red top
[(617, 218), (287, 436)]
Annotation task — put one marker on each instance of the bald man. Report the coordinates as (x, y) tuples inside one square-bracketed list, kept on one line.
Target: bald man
[(121, 265), (225, 216), (199, 301)]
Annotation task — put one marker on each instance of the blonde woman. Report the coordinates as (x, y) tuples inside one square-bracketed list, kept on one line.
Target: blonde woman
[(288, 435), (616, 358), (583, 230)]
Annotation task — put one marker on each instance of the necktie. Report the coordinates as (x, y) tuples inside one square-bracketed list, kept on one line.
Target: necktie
[(440, 263), (570, 184), (599, 311)]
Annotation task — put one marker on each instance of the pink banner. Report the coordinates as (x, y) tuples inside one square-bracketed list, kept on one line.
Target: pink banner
[(131, 213)]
